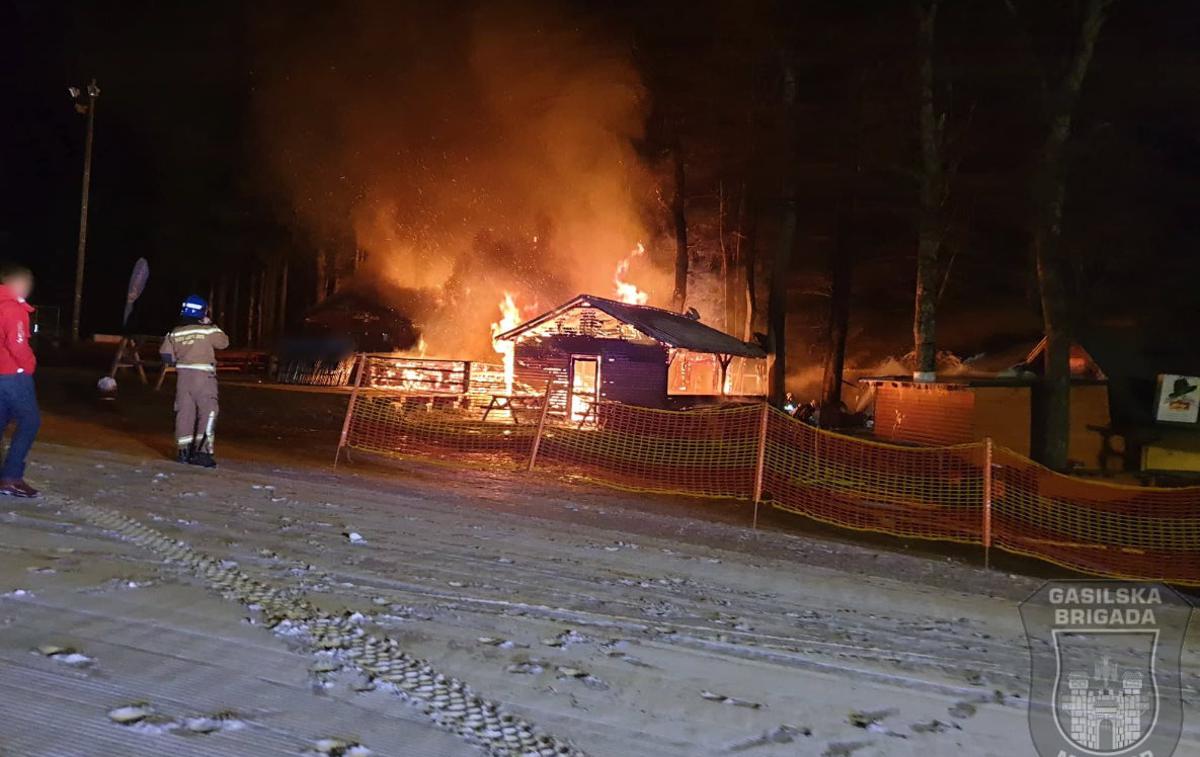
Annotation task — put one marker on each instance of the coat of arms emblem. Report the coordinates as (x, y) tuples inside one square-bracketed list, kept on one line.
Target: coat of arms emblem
[(1105, 668)]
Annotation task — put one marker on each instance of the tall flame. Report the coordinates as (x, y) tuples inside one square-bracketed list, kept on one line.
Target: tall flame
[(627, 291), (510, 317)]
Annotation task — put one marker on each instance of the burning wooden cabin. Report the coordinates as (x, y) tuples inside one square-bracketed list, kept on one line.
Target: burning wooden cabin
[(592, 349)]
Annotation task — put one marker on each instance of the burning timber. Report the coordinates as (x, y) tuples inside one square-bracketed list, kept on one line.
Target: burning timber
[(433, 376)]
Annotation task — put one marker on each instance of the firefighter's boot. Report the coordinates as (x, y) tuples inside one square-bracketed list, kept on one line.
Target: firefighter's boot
[(203, 459)]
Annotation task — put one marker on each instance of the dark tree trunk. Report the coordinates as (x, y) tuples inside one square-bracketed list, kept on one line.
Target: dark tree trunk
[(841, 272), (251, 307), (679, 217), (748, 251), (1052, 408), (322, 275), (266, 304), (777, 304), (234, 315), (219, 303), (265, 293), (781, 259), (281, 320), (932, 196)]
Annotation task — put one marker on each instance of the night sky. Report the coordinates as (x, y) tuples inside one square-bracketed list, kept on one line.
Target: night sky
[(182, 174)]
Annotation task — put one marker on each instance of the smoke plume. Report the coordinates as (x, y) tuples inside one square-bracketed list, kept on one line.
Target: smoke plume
[(471, 151)]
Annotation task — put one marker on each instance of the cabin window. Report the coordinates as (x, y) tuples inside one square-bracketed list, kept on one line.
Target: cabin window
[(693, 373), (746, 377)]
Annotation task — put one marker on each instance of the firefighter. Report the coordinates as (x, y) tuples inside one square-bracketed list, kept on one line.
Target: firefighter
[(189, 347)]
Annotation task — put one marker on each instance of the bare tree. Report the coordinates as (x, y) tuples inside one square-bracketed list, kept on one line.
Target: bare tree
[(781, 259), (842, 255), (1060, 88), (679, 219), (841, 272), (933, 194)]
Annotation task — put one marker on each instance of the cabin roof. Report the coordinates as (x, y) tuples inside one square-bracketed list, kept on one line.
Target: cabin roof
[(669, 328)]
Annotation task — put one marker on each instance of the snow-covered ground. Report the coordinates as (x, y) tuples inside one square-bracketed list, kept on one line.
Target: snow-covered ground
[(610, 623)]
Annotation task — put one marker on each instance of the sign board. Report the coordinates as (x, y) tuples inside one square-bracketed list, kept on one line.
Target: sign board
[(1178, 399)]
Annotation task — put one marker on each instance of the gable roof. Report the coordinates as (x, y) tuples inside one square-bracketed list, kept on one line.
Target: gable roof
[(669, 328)]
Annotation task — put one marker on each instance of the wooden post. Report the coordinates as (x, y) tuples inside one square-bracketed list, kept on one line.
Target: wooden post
[(763, 416), (537, 438), (360, 364), (93, 92), (987, 502)]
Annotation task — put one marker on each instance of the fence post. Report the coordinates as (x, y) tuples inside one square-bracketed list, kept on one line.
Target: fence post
[(537, 438), (360, 365), (987, 502), (761, 458)]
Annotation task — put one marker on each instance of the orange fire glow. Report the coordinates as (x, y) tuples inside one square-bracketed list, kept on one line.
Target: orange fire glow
[(510, 317), (628, 291)]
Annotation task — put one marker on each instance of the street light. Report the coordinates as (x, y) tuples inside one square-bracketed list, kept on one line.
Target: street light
[(89, 109)]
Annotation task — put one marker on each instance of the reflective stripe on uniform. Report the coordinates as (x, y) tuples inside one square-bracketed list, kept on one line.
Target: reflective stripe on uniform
[(185, 440), (208, 440), (197, 367), (196, 330)]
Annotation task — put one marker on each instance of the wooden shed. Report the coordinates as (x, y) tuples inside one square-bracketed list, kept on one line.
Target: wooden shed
[(592, 349), (973, 405)]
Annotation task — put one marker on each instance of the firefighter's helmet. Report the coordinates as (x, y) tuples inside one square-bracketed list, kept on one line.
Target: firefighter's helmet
[(194, 306)]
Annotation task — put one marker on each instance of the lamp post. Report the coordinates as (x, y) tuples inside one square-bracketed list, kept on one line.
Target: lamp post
[(88, 109)]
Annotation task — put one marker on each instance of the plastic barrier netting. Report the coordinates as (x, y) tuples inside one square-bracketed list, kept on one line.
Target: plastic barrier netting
[(971, 493), (1095, 527), (925, 492), (452, 427), (709, 453)]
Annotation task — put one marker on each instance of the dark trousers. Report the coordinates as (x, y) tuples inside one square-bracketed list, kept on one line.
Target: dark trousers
[(18, 402)]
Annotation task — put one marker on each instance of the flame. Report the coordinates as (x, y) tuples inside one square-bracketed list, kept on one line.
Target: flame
[(510, 317), (627, 291)]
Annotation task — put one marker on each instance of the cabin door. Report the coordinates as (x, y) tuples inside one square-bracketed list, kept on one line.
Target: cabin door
[(585, 385)]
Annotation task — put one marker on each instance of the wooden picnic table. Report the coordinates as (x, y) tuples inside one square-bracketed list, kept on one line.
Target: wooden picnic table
[(512, 403)]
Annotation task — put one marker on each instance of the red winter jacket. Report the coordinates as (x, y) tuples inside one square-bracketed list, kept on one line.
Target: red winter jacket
[(16, 356)]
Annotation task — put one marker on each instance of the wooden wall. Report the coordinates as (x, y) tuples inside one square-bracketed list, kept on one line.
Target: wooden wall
[(946, 414), (632, 373)]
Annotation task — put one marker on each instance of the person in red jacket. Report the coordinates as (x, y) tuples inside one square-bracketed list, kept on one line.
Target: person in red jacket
[(18, 401)]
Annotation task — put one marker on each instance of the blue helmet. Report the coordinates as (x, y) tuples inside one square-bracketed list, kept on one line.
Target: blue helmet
[(194, 306)]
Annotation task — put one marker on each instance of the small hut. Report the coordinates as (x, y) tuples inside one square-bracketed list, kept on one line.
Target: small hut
[(593, 349), (981, 401)]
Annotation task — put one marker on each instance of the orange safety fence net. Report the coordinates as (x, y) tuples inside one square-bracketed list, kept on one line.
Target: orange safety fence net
[(924, 492), (942, 493), (390, 420), (1094, 526), (708, 453)]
